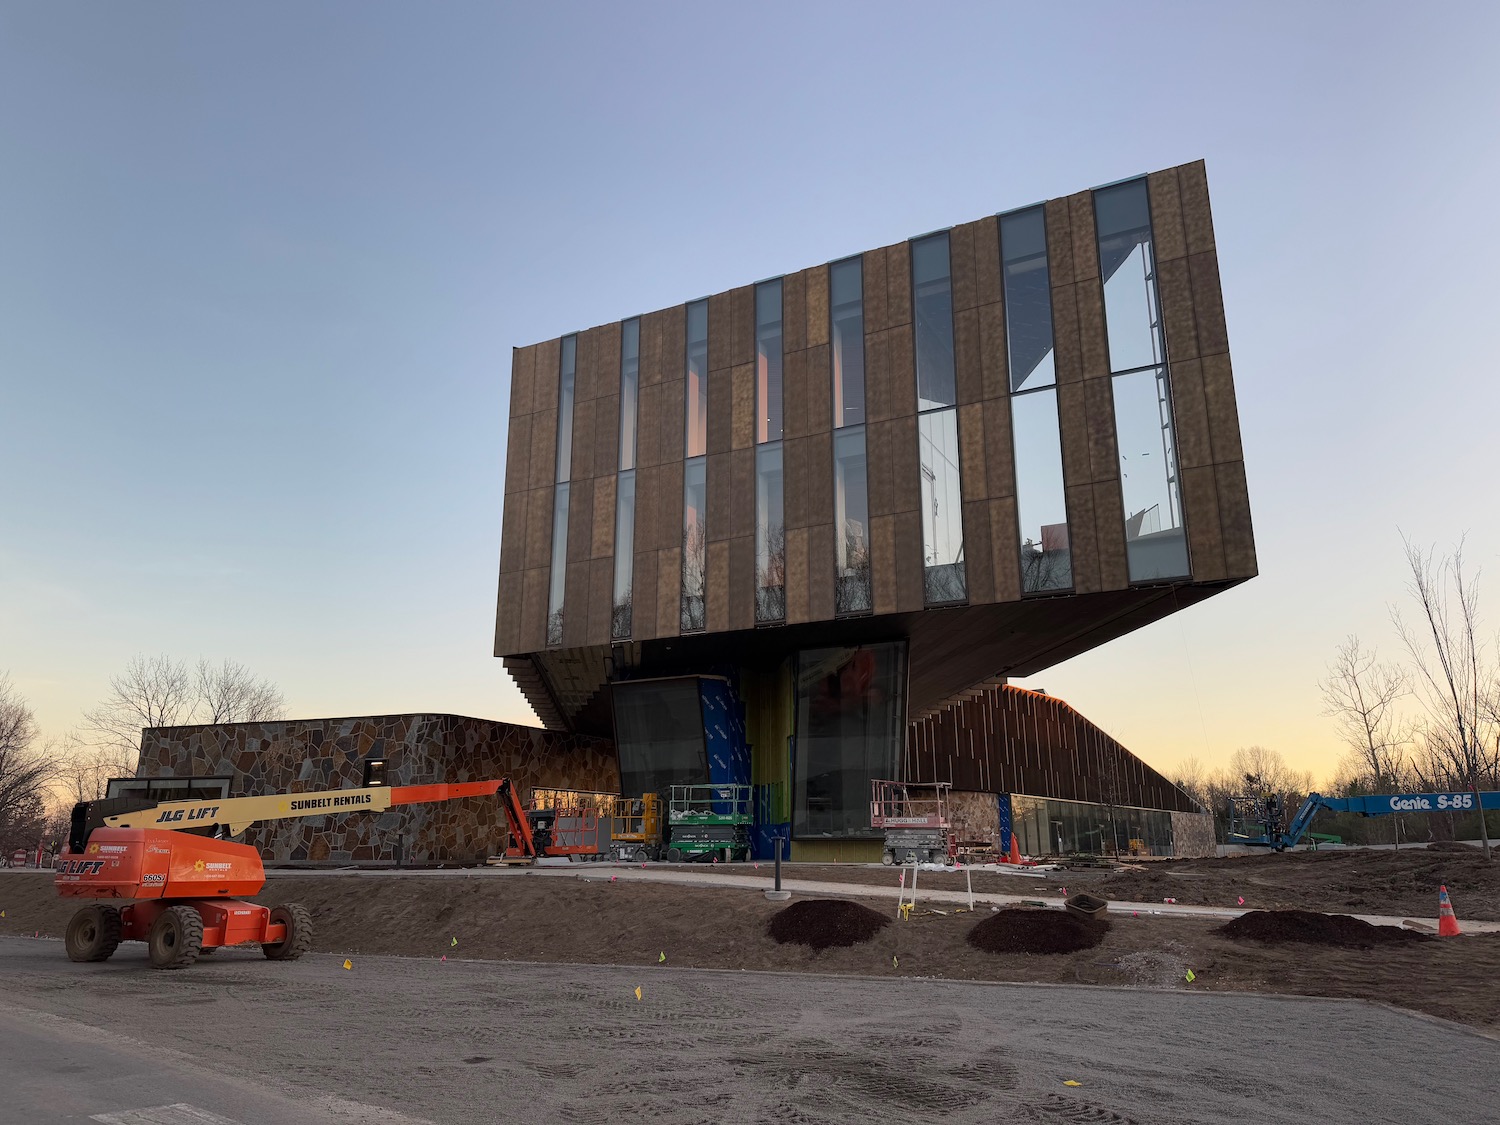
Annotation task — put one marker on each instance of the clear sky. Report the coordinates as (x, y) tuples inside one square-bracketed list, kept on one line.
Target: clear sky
[(262, 266)]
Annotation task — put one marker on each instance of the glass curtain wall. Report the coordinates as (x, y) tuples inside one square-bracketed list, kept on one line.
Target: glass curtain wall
[(1155, 538), (1041, 501), (1047, 827), (694, 473), (851, 719), (851, 503), (630, 377), (770, 516), (558, 577), (937, 423)]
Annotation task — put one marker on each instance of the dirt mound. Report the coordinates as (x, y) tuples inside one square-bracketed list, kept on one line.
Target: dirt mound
[(1037, 931), (1314, 929), (824, 922)]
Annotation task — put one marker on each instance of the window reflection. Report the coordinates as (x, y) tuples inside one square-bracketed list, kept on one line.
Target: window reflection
[(770, 535), (933, 293), (847, 312), (942, 510), (1123, 215), (1155, 541), (697, 379), (851, 718), (1028, 299), (768, 361), (659, 735), (559, 574), (851, 528), (694, 544), (565, 410), (1046, 560), (630, 377), (620, 620)]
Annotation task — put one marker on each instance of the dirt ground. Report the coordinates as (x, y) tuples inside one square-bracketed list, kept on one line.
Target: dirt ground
[(1352, 881), (534, 918)]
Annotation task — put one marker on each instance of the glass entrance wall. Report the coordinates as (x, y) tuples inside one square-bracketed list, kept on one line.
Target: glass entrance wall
[(659, 735), (1047, 827), (851, 723)]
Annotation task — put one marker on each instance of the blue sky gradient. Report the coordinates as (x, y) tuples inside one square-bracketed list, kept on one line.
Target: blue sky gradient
[(261, 269)]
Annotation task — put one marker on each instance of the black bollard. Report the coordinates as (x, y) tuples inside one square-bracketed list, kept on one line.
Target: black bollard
[(778, 863)]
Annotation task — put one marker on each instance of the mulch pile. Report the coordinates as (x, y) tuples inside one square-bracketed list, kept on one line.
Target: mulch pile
[(824, 922), (1278, 926), (1037, 931)]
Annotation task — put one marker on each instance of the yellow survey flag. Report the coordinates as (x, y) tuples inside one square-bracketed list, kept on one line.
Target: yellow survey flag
[(660, 957), (637, 992), (348, 964), (1191, 976), (1070, 1082), (894, 962), (453, 942)]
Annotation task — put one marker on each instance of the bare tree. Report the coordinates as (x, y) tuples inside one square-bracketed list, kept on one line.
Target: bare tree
[(25, 772), (230, 693), (1452, 672), (153, 691), (83, 770), (1361, 694)]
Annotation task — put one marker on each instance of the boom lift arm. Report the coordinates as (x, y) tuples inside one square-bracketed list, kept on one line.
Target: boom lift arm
[(1386, 804)]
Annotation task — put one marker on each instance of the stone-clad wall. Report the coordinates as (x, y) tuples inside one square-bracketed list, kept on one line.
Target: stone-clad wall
[(302, 755), (1193, 835)]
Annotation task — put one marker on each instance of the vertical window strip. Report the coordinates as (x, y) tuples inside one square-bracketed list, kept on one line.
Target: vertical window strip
[(557, 583), (768, 362), (696, 413), (770, 517), (694, 544), (847, 334), (622, 603), (944, 578), (1041, 498)]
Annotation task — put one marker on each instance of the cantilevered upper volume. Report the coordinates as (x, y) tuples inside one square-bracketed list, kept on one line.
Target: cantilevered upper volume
[(994, 448)]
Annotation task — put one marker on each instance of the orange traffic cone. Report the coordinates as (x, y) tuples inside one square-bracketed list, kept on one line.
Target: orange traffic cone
[(1447, 920), (1015, 849)]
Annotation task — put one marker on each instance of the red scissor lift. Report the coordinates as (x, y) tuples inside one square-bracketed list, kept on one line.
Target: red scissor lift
[(914, 816)]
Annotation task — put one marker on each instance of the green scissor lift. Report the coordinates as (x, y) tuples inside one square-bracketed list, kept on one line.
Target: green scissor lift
[(709, 822)]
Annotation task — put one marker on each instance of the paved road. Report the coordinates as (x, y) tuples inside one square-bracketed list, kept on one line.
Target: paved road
[(465, 1042)]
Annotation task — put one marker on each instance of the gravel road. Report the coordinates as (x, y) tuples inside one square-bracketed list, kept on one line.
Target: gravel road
[(494, 1042)]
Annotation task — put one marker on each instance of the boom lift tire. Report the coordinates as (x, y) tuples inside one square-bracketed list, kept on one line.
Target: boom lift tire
[(299, 932), (93, 934), (176, 938)]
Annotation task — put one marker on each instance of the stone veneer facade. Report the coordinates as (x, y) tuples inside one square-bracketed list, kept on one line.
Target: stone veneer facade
[(302, 755)]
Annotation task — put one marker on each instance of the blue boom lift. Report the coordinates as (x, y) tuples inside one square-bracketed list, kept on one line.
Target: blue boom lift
[(1256, 821)]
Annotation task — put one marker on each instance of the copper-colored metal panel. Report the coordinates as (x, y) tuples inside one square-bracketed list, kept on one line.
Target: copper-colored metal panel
[(518, 454), (897, 285), (818, 375), (903, 371), (547, 374), (601, 601), (1175, 290), (648, 501), (606, 359), (648, 425), (999, 452), (606, 436), (796, 575), (817, 467), (1234, 520), (968, 367), (1085, 549), (720, 491), (669, 507), (742, 407), (883, 562), (534, 611), (742, 582), (1223, 414), (794, 394), (603, 546), (522, 375), (794, 312), (1208, 303), (716, 593), (674, 343), (508, 613), (994, 362), (1190, 414), (1067, 355), (820, 567), (538, 528), (584, 381), (877, 377), (672, 424), (1200, 499), (1104, 454), (580, 520), (513, 533), (1109, 535), (583, 443), (653, 330), (720, 332), (878, 445), (1168, 240), (669, 592), (971, 451), (1197, 220), (1093, 347), (643, 596), (1059, 243), (1073, 418), (978, 565), (741, 493), (906, 472), (794, 453), (575, 629), (874, 291), (1085, 244), (543, 448), (987, 261), (910, 586), (817, 306), (720, 395), (1005, 549), (961, 267), (742, 325)]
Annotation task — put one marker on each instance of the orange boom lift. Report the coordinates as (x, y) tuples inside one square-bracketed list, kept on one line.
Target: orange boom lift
[(185, 881)]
